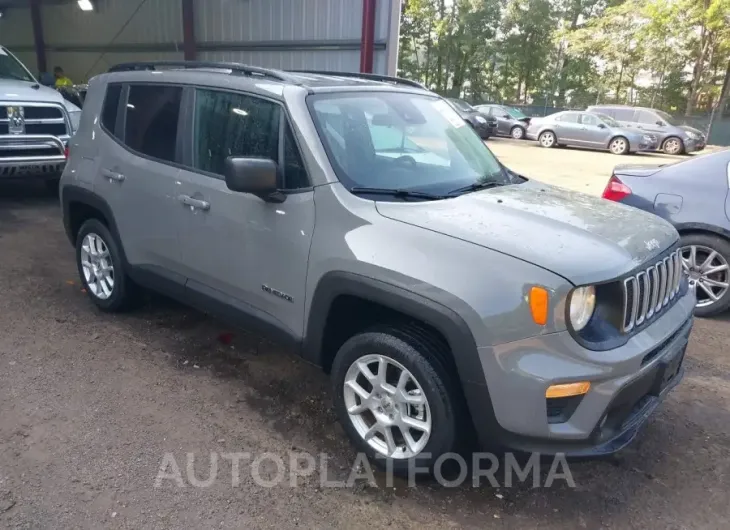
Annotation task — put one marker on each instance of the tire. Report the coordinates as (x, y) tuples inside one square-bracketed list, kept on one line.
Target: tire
[(517, 132), (619, 146), (93, 242), (412, 350), (673, 146), (547, 139), (705, 245)]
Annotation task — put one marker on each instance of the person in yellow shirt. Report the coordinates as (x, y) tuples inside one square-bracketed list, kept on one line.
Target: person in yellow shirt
[(61, 79)]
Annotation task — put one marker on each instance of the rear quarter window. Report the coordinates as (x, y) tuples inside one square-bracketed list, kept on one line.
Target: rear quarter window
[(110, 108)]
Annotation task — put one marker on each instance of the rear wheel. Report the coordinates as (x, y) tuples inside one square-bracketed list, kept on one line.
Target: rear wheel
[(673, 146), (619, 146), (517, 132), (706, 258), (548, 139), (395, 399), (101, 269)]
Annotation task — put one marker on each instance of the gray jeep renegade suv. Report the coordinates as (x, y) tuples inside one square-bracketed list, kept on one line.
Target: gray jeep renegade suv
[(360, 221)]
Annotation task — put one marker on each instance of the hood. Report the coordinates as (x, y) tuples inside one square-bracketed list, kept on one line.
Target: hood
[(687, 128), (581, 238), (637, 170), (12, 90)]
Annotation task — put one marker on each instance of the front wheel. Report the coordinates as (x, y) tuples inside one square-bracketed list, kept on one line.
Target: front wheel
[(394, 398), (706, 258), (517, 132), (673, 146), (548, 139), (619, 146)]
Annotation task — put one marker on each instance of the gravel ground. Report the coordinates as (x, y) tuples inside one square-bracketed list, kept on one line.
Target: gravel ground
[(90, 404)]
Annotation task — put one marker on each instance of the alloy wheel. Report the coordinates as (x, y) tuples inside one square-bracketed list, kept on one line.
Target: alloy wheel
[(708, 271), (673, 146), (518, 133), (387, 406), (547, 139), (618, 146), (97, 266)]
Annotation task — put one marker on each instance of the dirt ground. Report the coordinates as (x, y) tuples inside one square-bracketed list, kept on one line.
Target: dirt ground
[(90, 404)]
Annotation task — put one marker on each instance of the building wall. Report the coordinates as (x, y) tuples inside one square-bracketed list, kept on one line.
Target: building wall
[(291, 34)]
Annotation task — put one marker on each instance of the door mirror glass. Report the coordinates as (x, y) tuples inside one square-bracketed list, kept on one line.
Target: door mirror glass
[(258, 176)]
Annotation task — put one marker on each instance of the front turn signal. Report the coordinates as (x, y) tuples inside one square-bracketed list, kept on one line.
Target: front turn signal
[(568, 390), (539, 305)]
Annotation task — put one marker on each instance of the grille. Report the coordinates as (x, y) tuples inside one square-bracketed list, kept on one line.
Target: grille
[(39, 119), (648, 292)]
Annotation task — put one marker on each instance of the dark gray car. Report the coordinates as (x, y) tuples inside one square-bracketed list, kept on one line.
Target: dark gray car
[(693, 196), (584, 129), (673, 137), (510, 122)]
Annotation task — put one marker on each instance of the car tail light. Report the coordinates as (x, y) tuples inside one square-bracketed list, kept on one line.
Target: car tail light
[(65, 152), (615, 189)]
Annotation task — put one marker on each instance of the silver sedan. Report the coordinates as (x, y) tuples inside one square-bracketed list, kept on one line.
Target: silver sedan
[(587, 129)]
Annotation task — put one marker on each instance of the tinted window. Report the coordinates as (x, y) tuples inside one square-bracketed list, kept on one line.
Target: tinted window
[(152, 116), (228, 124), (624, 114), (295, 176), (568, 117), (111, 106)]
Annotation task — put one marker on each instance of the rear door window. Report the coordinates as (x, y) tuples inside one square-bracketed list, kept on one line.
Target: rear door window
[(624, 114), (153, 112), (110, 110), (569, 117)]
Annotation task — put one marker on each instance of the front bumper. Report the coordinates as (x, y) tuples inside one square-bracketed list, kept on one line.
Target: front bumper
[(624, 387), (31, 155), (693, 146)]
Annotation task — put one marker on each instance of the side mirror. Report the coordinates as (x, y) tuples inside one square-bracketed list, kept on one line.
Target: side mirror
[(506, 116), (258, 176), (660, 123), (601, 125)]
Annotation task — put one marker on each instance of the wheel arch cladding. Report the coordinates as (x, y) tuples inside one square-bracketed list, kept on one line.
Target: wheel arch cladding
[(338, 291), (686, 229), (80, 204)]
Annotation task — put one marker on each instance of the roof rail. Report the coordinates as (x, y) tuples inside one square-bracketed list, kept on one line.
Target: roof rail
[(235, 68), (370, 77)]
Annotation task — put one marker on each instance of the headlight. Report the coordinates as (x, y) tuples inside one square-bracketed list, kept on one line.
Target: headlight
[(693, 135), (75, 117), (648, 139), (582, 305), (481, 120)]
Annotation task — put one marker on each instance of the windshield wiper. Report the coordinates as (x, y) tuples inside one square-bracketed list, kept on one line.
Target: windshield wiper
[(476, 186), (400, 193)]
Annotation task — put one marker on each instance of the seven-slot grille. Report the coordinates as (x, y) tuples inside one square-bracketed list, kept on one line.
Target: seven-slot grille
[(651, 290)]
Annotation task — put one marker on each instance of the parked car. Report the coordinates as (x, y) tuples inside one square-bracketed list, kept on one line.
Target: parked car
[(586, 129), (485, 126), (672, 137), (510, 121), (276, 203), (693, 195), (36, 123)]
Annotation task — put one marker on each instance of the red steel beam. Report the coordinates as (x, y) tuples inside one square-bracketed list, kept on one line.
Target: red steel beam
[(367, 43), (190, 48), (40, 44)]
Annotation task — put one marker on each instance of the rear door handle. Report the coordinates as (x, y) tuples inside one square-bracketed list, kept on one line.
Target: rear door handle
[(197, 204), (112, 175)]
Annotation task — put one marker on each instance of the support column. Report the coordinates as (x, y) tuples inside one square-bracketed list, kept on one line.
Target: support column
[(190, 48), (367, 43), (40, 44)]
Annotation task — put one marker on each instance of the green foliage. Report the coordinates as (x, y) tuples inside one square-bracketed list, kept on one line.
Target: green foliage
[(673, 54)]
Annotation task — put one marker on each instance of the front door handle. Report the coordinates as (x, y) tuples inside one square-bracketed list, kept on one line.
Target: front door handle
[(197, 204), (112, 175)]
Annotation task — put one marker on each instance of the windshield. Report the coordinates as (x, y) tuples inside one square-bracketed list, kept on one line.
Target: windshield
[(608, 120), (462, 105), (666, 117), (516, 113), (401, 141), (11, 68)]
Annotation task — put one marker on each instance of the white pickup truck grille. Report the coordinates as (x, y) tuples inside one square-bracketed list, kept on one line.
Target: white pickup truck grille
[(649, 292)]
